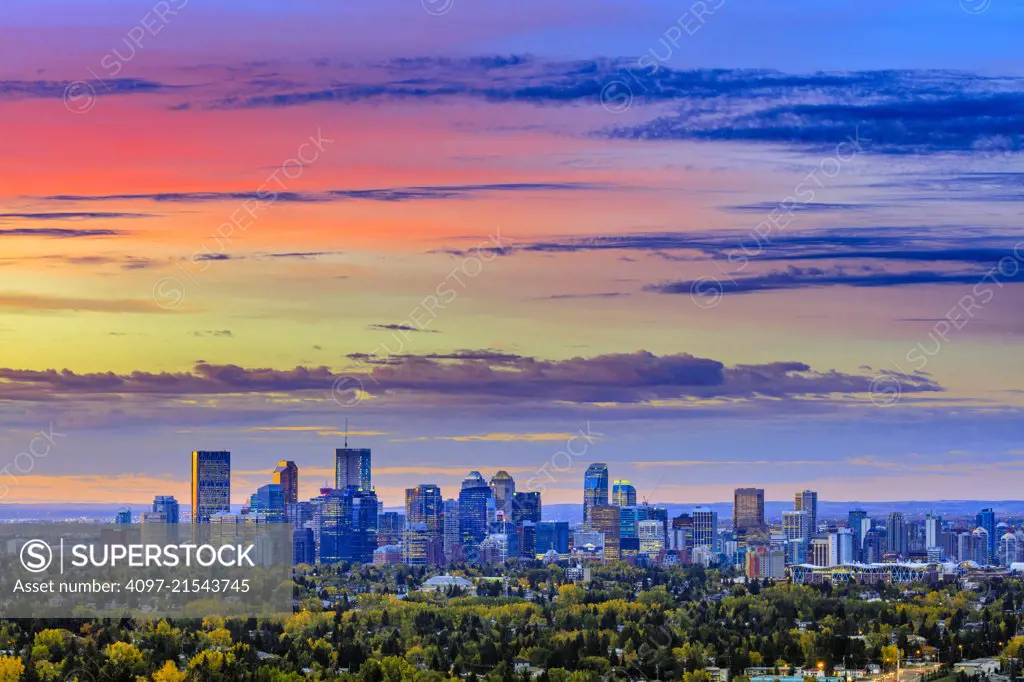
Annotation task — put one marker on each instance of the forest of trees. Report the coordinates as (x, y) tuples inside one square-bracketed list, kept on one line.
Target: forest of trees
[(624, 624)]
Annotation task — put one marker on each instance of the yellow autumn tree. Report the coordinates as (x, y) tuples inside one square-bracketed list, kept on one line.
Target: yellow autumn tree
[(890, 653), (169, 673), (697, 676), (50, 644), (11, 669), (211, 659), (123, 659), (220, 637), (571, 594)]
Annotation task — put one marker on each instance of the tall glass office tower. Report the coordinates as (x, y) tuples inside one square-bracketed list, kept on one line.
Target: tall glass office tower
[(857, 519), (503, 487), (605, 518), (595, 489), (807, 501), (748, 509), (168, 506), (211, 484), (705, 528), (452, 539), (623, 494), (286, 475), (424, 504), (345, 524), (526, 506), (268, 500), (476, 505), (896, 534), (352, 467), (987, 519), (553, 535)]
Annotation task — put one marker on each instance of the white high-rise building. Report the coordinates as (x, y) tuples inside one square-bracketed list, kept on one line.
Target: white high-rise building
[(964, 547), (979, 545), (677, 538), (702, 555), (451, 528), (932, 530), (1006, 550), (652, 537), (794, 524), (840, 547)]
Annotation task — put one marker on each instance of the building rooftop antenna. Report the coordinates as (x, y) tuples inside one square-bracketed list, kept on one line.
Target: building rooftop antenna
[(346, 433)]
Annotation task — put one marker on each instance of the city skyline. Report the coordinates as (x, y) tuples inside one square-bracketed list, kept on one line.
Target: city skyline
[(752, 502), (491, 522)]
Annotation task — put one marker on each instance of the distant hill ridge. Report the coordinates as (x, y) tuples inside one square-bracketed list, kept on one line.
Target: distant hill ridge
[(574, 512)]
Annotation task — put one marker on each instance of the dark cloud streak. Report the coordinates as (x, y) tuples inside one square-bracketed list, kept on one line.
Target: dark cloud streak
[(808, 278), (59, 233), (388, 195), (898, 111), (472, 375)]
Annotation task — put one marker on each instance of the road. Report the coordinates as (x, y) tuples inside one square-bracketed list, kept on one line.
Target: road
[(909, 674)]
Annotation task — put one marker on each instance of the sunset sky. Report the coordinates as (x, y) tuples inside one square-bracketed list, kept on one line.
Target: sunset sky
[(739, 243)]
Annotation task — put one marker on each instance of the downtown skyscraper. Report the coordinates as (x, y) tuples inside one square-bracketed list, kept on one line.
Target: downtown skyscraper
[(476, 511), (450, 533), (503, 488), (552, 535), (748, 509), (167, 506), (705, 528), (932, 530), (345, 525), (857, 520), (987, 519), (595, 489), (286, 475), (896, 534), (807, 501), (605, 518), (424, 504), (211, 484), (526, 506), (623, 494), (269, 501), (352, 467)]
